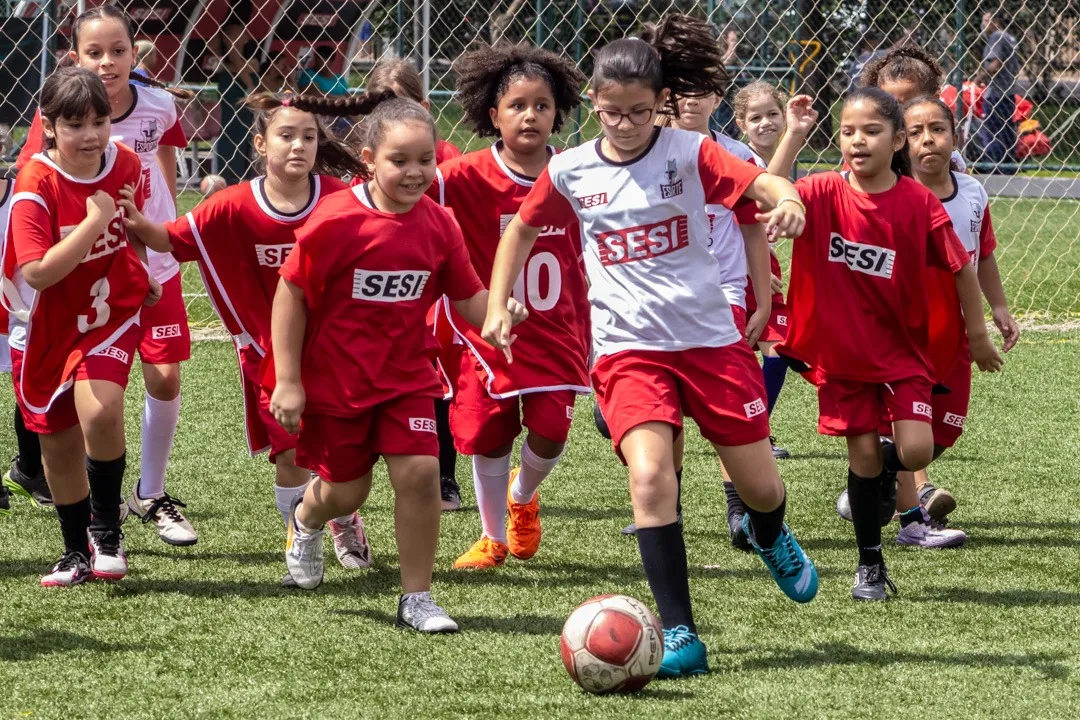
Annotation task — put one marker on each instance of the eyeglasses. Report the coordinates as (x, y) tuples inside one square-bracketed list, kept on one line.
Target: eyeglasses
[(612, 118)]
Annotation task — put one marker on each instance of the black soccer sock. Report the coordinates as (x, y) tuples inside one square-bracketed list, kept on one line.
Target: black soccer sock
[(601, 423), (913, 515), (891, 457), (74, 520), (663, 555), (765, 527), (106, 478), (678, 498), (29, 447), (864, 496), (734, 502), (447, 453)]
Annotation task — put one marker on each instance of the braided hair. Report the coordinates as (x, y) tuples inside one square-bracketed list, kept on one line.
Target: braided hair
[(905, 62)]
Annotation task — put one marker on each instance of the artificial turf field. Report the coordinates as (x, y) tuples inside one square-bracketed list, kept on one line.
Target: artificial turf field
[(986, 631)]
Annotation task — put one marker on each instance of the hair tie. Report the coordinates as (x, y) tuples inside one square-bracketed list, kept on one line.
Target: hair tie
[(286, 101)]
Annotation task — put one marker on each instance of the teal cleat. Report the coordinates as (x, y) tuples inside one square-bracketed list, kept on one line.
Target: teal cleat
[(684, 654), (790, 568)]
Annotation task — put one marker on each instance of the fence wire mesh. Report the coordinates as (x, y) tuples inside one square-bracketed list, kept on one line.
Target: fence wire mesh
[(223, 49)]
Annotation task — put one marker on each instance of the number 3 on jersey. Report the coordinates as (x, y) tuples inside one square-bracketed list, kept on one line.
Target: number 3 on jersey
[(100, 306), (530, 289)]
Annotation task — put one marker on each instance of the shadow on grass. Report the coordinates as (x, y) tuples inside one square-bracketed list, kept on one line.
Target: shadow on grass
[(624, 514), (42, 641), (513, 625), (187, 555), (1048, 665), (1022, 525), (1002, 598), (14, 569)]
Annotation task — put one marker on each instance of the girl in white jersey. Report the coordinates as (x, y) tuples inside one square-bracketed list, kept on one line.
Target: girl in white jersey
[(664, 339), (145, 120), (6, 188)]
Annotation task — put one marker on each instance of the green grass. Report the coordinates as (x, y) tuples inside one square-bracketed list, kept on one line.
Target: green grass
[(986, 631)]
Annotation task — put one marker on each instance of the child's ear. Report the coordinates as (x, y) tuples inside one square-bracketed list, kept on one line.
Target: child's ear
[(493, 113), (899, 138), (368, 156), (259, 143)]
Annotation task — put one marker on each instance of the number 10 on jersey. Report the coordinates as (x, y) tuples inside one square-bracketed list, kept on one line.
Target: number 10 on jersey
[(528, 288)]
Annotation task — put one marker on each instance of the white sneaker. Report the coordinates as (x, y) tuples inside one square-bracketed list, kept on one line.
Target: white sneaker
[(72, 569), (164, 513), (304, 553), (108, 561), (419, 612), (929, 534), (351, 543)]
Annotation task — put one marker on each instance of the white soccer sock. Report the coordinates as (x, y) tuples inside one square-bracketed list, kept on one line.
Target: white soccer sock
[(490, 478), (159, 421), (283, 498), (533, 471)]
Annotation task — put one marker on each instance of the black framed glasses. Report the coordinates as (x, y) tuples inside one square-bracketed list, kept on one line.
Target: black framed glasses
[(612, 118)]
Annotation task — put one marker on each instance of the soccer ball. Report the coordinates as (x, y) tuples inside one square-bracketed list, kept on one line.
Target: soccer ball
[(612, 643)]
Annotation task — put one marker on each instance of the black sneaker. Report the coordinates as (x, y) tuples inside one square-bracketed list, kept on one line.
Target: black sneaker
[(872, 583), (631, 529), (5, 500), (451, 494), (735, 512), (34, 489), (778, 453)]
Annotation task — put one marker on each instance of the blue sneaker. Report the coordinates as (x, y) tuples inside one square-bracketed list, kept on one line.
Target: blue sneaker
[(790, 568), (684, 654)]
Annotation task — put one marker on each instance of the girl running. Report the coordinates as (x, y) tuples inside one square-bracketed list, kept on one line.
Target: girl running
[(401, 78), (74, 286), (241, 237), (520, 94), (352, 358), (144, 118), (881, 247), (665, 340)]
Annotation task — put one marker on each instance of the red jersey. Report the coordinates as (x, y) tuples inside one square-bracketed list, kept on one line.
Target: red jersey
[(872, 290), (369, 278), (240, 241), (96, 302), (485, 195)]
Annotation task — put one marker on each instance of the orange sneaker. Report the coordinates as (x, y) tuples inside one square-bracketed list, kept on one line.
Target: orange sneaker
[(523, 523), (485, 553)]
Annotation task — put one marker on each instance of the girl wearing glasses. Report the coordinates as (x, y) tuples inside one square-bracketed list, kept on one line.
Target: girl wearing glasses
[(665, 340)]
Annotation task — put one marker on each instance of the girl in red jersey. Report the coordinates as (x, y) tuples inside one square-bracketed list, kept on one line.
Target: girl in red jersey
[(352, 357), (665, 339), (521, 95), (881, 248), (241, 237), (74, 287), (401, 78), (144, 118)]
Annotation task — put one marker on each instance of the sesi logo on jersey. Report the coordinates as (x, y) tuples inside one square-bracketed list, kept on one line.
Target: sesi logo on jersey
[(114, 238), (422, 425), (389, 285), (868, 259), (273, 255), (644, 241), (546, 231), (591, 201)]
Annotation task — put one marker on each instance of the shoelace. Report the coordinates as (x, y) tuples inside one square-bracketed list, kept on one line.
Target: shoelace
[(422, 608), (167, 505), (351, 537), (449, 488), (69, 561), (109, 541), (677, 638), (783, 556), (877, 573)]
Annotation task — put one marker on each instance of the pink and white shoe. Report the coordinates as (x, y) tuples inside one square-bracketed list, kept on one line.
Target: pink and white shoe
[(351, 544), (72, 569), (108, 561)]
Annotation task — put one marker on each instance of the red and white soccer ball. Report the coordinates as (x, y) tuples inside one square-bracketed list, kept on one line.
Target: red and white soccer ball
[(612, 643)]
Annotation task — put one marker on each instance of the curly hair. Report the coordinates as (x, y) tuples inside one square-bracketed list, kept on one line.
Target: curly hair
[(905, 62), (678, 52), (332, 157), (484, 75), (756, 89)]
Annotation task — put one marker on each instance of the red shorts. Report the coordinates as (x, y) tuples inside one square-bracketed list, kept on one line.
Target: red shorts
[(776, 329), (951, 408), (112, 363), (720, 388), (847, 408), (263, 431), (739, 313), (480, 423), (166, 337), (345, 449)]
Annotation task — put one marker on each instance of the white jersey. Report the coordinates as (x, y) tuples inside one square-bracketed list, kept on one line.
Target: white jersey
[(726, 241), (969, 209), (151, 118), (645, 236), (5, 213)]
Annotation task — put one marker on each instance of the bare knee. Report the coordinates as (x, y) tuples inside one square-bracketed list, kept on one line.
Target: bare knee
[(162, 381), (414, 476), (652, 483), (915, 456)]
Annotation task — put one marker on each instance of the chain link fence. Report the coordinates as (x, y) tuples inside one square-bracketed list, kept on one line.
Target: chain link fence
[(222, 49)]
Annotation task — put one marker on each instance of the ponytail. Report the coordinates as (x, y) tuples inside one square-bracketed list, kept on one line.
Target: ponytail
[(678, 53)]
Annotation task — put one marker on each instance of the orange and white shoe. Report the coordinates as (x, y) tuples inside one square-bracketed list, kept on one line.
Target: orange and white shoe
[(523, 523), (485, 553)]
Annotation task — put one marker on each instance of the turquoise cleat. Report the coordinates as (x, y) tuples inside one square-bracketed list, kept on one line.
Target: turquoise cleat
[(790, 568), (684, 654)]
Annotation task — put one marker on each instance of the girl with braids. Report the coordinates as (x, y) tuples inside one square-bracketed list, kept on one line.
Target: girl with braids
[(882, 249), (401, 78), (520, 95), (144, 118), (907, 72), (352, 358), (664, 338), (240, 238)]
